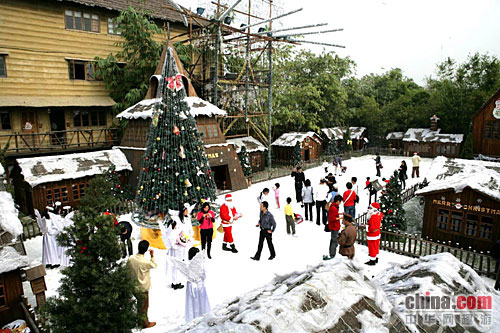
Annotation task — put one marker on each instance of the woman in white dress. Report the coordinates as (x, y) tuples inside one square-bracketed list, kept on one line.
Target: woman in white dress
[(50, 253)]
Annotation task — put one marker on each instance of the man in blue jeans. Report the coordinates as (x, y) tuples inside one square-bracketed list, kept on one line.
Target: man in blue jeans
[(349, 197)]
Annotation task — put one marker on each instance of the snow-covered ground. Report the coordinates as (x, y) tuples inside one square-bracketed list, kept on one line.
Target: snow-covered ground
[(229, 274)]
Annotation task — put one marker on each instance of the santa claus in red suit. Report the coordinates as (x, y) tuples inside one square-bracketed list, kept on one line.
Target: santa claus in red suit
[(374, 216), (228, 215)]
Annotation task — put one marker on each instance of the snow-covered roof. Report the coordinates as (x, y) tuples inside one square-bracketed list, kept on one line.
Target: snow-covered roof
[(45, 169), (144, 109), (428, 135), (11, 259), (290, 139), (457, 174), (9, 220), (250, 143), (394, 136), (337, 133)]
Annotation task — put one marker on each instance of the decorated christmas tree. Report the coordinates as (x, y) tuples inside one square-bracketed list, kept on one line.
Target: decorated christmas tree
[(297, 154), (245, 161), (175, 167), (114, 183), (347, 140), (96, 291), (391, 204)]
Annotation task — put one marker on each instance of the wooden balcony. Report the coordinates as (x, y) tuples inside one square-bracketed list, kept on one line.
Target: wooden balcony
[(72, 140)]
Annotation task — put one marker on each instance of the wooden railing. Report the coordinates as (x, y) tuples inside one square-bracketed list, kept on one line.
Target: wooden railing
[(124, 207), (413, 245), (27, 143)]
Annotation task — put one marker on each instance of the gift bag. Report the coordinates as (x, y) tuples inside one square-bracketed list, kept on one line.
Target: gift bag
[(220, 228)]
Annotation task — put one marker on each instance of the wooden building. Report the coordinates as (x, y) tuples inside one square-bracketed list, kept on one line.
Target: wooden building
[(50, 98), (310, 143), (462, 203), (486, 128), (430, 142), (336, 134), (395, 140), (41, 181), (255, 149), (12, 259)]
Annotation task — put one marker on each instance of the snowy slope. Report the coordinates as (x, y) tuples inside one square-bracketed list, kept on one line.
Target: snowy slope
[(230, 275)]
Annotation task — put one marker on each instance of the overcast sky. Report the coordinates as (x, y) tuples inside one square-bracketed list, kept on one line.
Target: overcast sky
[(383, 34)]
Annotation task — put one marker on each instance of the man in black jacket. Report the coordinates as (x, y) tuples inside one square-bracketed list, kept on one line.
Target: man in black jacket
[(300, 179), (267, 226), (378, 165)]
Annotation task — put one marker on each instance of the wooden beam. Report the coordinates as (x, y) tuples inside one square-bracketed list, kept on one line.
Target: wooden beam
[(230, 125)]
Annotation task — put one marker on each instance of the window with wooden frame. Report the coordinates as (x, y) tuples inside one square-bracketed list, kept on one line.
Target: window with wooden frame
[(3, 296), (89, 118), (201, 130), (3, 66), (443, 218), (456, 221), (56, 194), (471, 225), (81, 70), (5, 121), (113, 26), (486, 227), (76, 20), (79, 190)]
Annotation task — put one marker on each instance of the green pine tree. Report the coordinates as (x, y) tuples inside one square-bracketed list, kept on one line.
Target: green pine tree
[(332, 148), (467, 148), (96, 291), (245, 161), (391, 205), (347, 140), (297, 154), (175, 167)]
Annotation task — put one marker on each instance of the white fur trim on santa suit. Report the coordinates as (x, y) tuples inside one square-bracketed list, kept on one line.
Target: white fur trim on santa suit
[(372, 237)]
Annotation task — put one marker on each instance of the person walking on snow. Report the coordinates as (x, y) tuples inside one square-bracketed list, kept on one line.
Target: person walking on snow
[(402, 173), (264, 196), (300, 179), (347, 238), (321, 195), (378, 165), (267, 226), (171, 235), (349, 198), (374, 216), (307, 196), (290, 217), (276, 189), (415, 160), (228, 215), (333, 226), (207, 218)]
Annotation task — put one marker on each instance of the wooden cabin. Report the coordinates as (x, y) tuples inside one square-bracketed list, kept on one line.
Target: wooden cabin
[(336, 134), (41, 181), (462, 203), (395, 140), (255, 150), (50, 98), (486, 128), (430, 142), (310, 143)]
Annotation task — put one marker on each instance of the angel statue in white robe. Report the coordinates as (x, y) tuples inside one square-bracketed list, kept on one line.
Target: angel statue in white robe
[(197, 303), (50, 252), (59, 224)]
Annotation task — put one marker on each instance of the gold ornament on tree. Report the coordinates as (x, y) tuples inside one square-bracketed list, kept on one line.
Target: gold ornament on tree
[(181, 152), (187, 183)]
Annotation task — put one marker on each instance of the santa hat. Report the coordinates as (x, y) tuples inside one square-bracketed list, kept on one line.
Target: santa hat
[(228, 197), (414, 153), (375, 205)]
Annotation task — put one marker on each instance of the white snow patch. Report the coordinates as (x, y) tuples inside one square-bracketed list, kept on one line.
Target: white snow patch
[(290, 139), (9, 220), (251, 144), (394, 136), (54, 168), (337, 133), (11, 259)]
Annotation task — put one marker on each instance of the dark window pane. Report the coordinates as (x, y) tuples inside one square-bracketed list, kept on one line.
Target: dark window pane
[(79, 70), (71, 70), (486, 228), (78, 20), (93, 118), (3, 67), (68, 19), (442, 222), (90, 71), (214, 129), (85, 118), (86, 22), (471, 226), (496, 129), (5, 120), (102, 118), (456, 221), (76, 118)]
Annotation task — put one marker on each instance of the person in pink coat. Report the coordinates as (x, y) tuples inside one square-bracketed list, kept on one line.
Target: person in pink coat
[(206, 217)]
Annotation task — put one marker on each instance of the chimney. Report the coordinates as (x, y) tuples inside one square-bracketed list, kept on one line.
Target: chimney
[(434, 123)]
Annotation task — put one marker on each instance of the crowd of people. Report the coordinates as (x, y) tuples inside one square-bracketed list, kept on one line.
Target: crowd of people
[(335, 211)]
